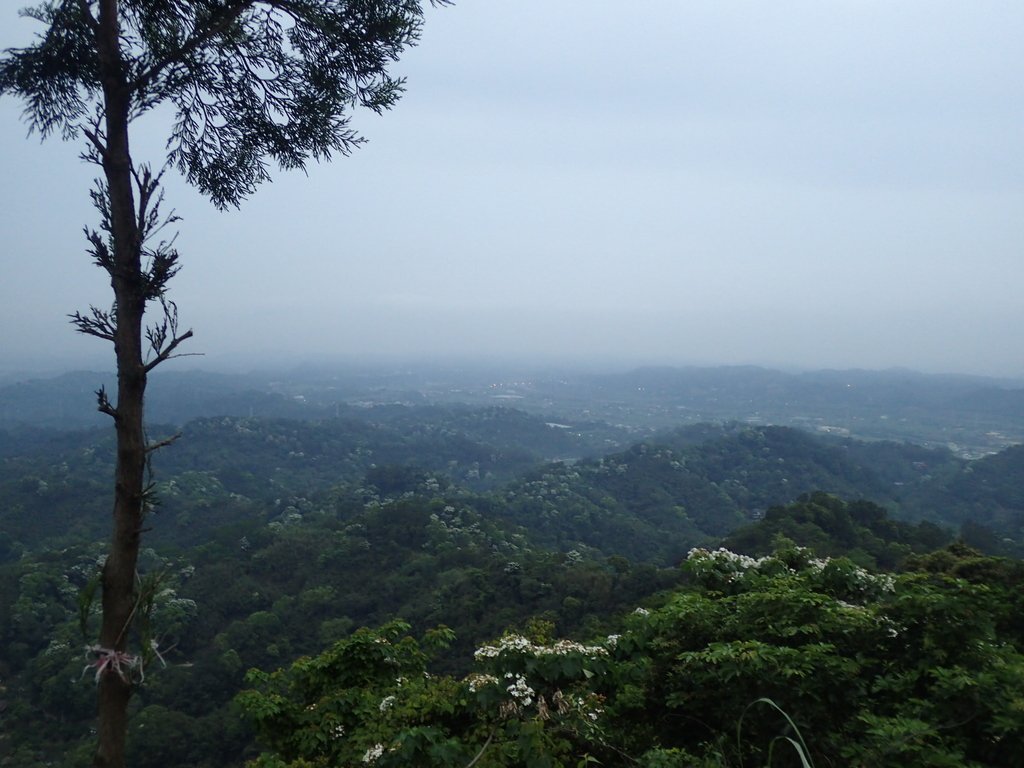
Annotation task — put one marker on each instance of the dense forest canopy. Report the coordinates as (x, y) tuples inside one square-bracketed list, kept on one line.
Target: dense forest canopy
[(278, 538)]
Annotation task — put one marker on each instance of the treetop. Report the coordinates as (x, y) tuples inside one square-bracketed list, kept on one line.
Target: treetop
[(250, 80)]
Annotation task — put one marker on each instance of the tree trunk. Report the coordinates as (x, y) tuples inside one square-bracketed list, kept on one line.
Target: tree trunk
[(127, 281)]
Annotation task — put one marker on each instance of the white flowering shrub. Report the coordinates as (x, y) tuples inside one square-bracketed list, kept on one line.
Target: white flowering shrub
[(368, 700), (731, 573), (543, 681), (874, 670)]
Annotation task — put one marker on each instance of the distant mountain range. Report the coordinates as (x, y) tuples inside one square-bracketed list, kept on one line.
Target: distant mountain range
[(972, 416)]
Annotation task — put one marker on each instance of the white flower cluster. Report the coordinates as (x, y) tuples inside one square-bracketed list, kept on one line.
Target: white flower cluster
[(373, 754), (57, 647), (851, 607), (521, 692), (386, 703), (884, 581), (337, 731), (507, 643), (476, 681), (725, 557), (587, 706), (520, 644), (733, 566), (892, 629)]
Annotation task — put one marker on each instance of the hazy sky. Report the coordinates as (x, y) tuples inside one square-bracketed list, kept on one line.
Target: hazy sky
[(830, 183)]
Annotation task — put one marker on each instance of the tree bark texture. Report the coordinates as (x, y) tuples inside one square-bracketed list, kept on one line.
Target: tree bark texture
[(119, 571)]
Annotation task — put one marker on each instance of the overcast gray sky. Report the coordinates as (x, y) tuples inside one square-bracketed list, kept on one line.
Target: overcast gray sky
[(829, 183)]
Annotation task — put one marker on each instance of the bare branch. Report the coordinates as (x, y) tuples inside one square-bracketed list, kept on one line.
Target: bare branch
[(163, 338), (163, 443), (96, 151), (166, 353), (483, 749), (97, 143)]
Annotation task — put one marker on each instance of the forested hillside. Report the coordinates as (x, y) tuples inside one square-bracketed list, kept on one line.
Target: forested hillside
[(53, 484), (693, 485), (274, 537), (985, 498), (786, 660)]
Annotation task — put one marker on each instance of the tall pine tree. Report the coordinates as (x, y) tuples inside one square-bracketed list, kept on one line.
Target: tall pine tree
[(252, 83)]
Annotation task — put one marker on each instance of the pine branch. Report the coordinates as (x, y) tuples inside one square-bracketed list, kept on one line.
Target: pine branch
[(196, 41), (90, 20), (103, 404)]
